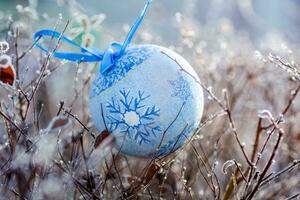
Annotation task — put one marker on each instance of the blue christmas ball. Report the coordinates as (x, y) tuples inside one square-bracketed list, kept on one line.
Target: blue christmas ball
[(151, 101)]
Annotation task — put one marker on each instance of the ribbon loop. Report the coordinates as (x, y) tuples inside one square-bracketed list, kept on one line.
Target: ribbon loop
[(107, 58), (87, 55)]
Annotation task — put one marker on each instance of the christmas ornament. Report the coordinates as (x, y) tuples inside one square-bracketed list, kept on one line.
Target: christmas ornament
[(7, 71), (147, 96)]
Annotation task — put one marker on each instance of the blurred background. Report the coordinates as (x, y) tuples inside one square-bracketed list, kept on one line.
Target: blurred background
[(258, 18)]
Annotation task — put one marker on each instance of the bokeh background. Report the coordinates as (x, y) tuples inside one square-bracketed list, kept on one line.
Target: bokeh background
[(259, 18)]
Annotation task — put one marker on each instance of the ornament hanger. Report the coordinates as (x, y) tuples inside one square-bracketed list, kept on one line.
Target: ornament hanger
[(108, 57)]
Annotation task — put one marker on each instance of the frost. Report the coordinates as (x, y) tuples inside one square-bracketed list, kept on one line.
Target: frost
[(21, 160), (4, 47), (56, 124), (52, 187), (259, 155), (265, 114), (258, 55), (28, 11), (226, 165), (101, 152), (281, 118), (46, 147), (178, 17)]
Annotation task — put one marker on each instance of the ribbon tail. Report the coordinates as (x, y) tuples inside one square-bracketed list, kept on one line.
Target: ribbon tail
[(135, 27)]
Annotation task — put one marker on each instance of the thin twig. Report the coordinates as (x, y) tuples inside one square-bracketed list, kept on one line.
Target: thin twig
[(267, 166)]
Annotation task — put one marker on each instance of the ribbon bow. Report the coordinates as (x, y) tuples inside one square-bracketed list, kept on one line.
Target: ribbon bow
[(108, 57)]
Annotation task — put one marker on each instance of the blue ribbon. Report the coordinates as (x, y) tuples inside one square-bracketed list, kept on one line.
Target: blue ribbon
[(108, 57)]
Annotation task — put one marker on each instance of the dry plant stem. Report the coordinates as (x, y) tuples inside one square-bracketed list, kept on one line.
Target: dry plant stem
[(152, 161), (17, 54), (214, 177), (293, 96), (44, 67), (291, 69), (276, 123), (110, 168), (61, 107), (212, 187), (81, 188), (118, 174), (271, 177), (173, 148), (232, 125), (257, 139), (147, 175), (267, 166), (28, 50), (163, 181), (149, 192), (250, 169), (12, 123), (291, 100), (261, 151), (78, 120), (17, 194), (210, 119), (116, 183), (240, 171), (260, 129), (182, 69), (295, 196), (86, 168), (166, 130), (230, 186), (265, 145), (106, 174), (18, 58), (185, 188), (18, 74), (103, 118), (23, 93)]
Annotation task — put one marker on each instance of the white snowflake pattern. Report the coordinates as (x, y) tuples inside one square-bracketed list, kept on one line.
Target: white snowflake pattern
[(131, 116), (181, 88)]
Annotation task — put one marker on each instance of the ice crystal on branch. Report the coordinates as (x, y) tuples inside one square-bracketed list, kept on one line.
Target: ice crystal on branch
[(4, 47)]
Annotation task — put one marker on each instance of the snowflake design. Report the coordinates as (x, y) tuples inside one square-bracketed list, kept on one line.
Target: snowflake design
[(133, 57), (176, 143), (181, 88), (131, 116)]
